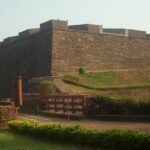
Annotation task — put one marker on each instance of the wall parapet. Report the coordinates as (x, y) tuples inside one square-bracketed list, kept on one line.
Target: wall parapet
[(10, 39), (87, 28), (28, 32), (54, 24), (126, 32), (148, 36)]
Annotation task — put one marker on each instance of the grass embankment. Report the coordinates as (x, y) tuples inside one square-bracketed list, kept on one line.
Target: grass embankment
[(13, 141), (108, 80)]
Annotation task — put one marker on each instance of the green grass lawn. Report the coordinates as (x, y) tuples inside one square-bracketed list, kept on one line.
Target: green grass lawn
[(12, 141), (118, 79)]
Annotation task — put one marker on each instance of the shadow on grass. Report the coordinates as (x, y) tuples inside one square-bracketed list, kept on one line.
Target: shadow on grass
[(16, 141)]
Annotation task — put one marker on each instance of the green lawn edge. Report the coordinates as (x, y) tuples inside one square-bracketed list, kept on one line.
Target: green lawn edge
[(145, 85)]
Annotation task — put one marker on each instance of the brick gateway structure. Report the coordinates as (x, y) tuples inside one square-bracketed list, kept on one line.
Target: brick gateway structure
[(56, 48)]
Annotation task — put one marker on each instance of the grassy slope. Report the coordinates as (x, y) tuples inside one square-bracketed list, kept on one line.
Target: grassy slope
[(12, 141), (110, 79)]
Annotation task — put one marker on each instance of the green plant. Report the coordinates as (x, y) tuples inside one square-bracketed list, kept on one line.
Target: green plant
[(82, 70), (105, 87), (118, 106), (112, 139), (47, 87)]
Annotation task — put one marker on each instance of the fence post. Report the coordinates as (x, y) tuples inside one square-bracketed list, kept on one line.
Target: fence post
[(38, 112), (68, 111), (73, 111), (55, 105), (84, 105), (64, 106), (48, 105)]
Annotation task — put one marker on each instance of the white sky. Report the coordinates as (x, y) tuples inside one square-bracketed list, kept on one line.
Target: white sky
[(18, 15)]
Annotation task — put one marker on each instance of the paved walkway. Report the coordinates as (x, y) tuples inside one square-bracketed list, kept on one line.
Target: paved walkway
[(90, 124)]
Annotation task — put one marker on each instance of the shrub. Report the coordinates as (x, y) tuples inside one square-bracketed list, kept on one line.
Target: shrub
[(112, 139), (82, 70), (47, 87), (117, 106), (42, 86)]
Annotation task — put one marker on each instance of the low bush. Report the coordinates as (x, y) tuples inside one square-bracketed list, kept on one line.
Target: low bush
[(82, 70), (42, 86), (117, 106), (47, 87), (112, 139)]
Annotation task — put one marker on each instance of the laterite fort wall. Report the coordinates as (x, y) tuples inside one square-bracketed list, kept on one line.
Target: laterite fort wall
[(28, 57), (73, 49), (56, 48)]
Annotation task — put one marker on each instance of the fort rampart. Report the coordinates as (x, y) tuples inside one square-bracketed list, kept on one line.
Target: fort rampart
[(56, 48)]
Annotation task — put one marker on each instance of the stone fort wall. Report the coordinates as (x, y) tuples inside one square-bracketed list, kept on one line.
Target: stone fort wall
[(57, 48), (28, 56), (91, 47), (72, 49)]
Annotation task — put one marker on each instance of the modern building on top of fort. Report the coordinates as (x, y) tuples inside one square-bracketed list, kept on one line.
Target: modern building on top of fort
[(57, 47)]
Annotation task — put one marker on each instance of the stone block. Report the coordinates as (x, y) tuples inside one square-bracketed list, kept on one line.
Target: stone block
[(10, 39), (114, 30), (1, 43), (54, 24), (88, 27), (148, 36), (28, 32), (126, 32), (136, 33), (7, 113)]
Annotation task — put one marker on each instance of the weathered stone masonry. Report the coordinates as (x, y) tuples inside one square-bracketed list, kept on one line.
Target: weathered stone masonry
[(56, 48), (97, 51)]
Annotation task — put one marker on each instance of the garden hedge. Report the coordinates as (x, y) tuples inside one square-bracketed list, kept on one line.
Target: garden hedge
[(112, 139), (105, 105)]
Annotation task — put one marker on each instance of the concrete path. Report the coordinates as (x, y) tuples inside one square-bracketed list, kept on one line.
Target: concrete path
[(90, 124), (72, 89)]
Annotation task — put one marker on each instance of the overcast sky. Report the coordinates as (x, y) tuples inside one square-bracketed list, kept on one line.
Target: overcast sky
[(18, 15)]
